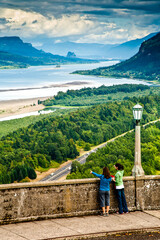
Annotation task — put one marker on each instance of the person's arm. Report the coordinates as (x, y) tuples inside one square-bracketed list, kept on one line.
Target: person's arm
[(96, 174)]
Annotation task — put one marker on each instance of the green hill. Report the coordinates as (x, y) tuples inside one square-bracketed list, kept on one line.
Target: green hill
[(57, 139), (144, 65), (91, 96), (9, 60), (122, 150)]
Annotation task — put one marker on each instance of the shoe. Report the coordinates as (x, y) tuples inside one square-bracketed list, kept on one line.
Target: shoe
[(126, 212), (107, 214), (103, 214), (119, 213)]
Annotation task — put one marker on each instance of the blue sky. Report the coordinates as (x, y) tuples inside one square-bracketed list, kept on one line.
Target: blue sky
[(89, 21)]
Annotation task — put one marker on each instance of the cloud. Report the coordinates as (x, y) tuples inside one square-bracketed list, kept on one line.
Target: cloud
[(102, 21), (3, 21), (101, 7), (32, 23), (37, 44), (106, 37), (29, 24)]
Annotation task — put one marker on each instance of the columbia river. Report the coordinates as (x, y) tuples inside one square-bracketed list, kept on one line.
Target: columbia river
[(46, 81)]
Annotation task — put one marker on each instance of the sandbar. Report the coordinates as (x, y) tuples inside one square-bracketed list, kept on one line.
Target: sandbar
[(20, 106), (74, 83)]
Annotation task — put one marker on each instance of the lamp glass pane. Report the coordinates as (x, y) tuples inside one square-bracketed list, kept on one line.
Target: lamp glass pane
[(137, 112)]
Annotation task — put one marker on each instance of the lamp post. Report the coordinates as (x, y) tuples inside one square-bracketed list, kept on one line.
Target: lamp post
[(137, 169)]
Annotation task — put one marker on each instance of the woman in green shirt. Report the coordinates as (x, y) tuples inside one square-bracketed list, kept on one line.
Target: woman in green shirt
[(122, 204)]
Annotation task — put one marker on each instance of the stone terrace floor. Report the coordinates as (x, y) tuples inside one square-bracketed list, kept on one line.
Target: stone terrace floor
[(81, 227)]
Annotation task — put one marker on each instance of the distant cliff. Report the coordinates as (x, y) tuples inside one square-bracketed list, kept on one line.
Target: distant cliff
[(144, 65), (16, 46), (71, 55), (15, 53)]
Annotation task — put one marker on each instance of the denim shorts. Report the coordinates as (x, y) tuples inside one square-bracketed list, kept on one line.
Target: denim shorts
[(104, 197)]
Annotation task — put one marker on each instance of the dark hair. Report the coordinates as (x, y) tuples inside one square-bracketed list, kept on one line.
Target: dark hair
[(106, 172), (119, 166)]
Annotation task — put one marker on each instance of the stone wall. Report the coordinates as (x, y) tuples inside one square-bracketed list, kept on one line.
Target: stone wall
[(148, 193), (34, 201)]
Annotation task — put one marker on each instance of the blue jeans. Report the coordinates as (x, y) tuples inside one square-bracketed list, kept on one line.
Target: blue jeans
[(122, 204)]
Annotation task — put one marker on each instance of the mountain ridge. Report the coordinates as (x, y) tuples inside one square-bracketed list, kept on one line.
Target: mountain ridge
[(143, 65), (129, 48), (15, 53), (94, 50)]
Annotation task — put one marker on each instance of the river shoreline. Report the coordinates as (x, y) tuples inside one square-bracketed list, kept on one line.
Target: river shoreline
[(75, 83), (21, 89), (20, 106)]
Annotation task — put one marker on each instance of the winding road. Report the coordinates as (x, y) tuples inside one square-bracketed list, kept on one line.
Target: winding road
[(63, 171)]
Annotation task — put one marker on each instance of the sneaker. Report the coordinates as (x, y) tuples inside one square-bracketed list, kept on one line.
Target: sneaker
[(103, 214), (107, 214), (119, 213), (126, 212)]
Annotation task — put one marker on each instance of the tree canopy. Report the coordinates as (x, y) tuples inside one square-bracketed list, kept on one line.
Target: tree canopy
[(57, 139)]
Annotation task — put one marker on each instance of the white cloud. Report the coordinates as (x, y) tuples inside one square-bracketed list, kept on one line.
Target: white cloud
[(74, 27), (58, 41), (113, 36), (31, 23), (37, 44)]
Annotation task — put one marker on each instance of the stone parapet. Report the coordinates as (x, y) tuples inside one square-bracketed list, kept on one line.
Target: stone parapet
[(45, 200)]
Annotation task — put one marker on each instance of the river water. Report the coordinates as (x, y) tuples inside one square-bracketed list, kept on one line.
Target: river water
[(35, 82), (26, 115)]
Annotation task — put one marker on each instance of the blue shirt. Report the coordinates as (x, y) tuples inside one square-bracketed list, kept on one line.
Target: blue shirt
[(104, 182)]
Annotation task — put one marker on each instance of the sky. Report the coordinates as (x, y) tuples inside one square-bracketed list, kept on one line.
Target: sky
[(81, 21)]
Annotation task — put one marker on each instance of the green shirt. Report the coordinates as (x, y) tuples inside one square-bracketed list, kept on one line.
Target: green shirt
[(119, 178)]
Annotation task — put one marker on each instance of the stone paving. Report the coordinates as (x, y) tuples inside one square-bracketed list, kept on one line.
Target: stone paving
[(80, 227)]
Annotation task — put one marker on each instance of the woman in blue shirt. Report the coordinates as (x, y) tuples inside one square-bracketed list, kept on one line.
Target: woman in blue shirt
[(104, 190)]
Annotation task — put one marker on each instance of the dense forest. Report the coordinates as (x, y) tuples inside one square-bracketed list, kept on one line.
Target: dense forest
[(70, 102), (122, 151), (90, 96), (144, 65), (9, 126), (57, 139)]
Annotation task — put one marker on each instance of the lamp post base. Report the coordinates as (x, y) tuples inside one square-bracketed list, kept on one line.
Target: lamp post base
[(137, 171)]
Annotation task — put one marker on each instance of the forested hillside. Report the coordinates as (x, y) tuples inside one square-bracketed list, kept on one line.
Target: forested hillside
[(144, 65), (12, 60), (90, 96), (122, 151), (56, 139)]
